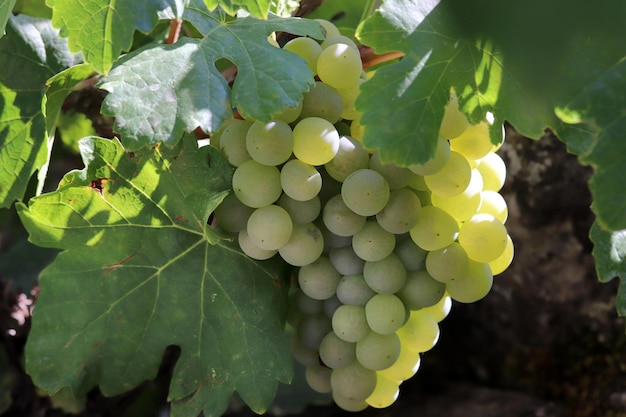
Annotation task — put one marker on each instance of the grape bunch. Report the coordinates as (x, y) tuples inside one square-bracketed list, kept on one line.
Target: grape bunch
[(381, 250)]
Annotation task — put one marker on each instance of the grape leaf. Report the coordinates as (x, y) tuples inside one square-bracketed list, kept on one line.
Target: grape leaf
[(610, 253), (148, 110), (34, 8), (141, 270), (102, 29), (257, 8), (30, 54), (437, 58), (599, 110), (6, 6)]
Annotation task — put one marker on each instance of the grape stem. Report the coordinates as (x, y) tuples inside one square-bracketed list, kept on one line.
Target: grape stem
[(370, 58), (174, 32)]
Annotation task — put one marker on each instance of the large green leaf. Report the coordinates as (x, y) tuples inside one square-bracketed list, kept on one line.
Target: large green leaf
[(159, 92), (30, 54), (141, 270), (437, 58), (102, 29), (599, 108), (6, 6)]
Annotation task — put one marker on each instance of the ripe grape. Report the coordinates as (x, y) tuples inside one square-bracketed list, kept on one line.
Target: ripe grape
[(300, 180), (269, 227), (365, 192), (319, 279), (307, 49), (256, 185), (339, 65), (483, 237), (315, 141), (385, 313), (269, 143)]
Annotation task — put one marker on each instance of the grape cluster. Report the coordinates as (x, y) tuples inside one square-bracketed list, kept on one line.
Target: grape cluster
[(382, 250)]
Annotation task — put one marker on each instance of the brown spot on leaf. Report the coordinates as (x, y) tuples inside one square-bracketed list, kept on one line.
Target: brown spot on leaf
[(98, 184)]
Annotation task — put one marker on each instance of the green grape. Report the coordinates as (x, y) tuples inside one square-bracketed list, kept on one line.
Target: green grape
[(269, 143), (306, 304), (452, 179), (401, 212), (232, 215), (307, 49), (386, 276), (493, 171), (425, 197), (463, 206), (348, 99), (417, 183), (339, 65), (269, 227), (301, 353), (318, 378), (421, 290), (312, 329), (493, 203), (346, 261), (435, 229), (331, 305), (353, 382), (454, 121), (447, 263), (378, 351), (436, 163), (502, 262), (356, 130), (350, 157), (404, 368), (411, 255), (336, 352), (256, 185), (474, 285), (372, 242), (474, 143), (397, 177), (483, 237), (332, 240), (289, 114), (300, 180), (440, 310), (301, 212), (233, 141), (339, 219), (315, 141), (252, 250), (304, 246), (331, 40), (330, 188), (420, 332), (349, 323), (385, 313), (348, 405), (353, 290), (319, 279), (385, 393), (365, 192), (329, 28), (322, 101)]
